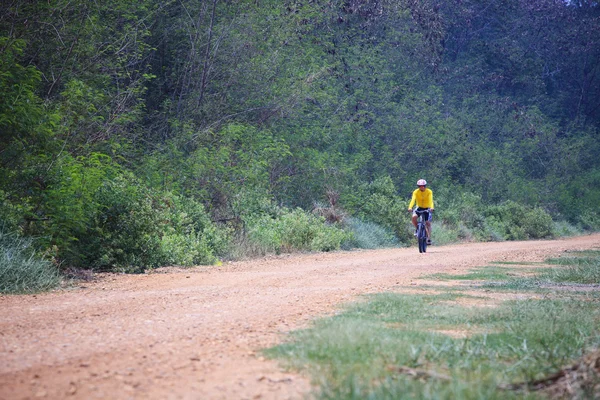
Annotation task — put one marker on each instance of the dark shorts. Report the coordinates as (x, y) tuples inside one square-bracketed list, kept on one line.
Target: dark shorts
[(425, 211)]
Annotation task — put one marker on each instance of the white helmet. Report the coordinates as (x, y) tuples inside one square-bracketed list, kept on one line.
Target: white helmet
[(421, 182)]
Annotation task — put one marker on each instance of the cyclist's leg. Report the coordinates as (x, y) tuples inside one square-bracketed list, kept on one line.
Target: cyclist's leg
[(414, 220)]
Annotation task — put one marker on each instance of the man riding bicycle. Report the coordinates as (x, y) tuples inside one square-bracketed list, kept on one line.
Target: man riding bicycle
[(423, 198)]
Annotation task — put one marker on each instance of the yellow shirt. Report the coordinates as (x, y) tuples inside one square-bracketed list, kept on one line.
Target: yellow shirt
[(423, 199)]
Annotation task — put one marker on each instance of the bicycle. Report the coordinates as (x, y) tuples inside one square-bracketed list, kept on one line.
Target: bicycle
[(421, 229)]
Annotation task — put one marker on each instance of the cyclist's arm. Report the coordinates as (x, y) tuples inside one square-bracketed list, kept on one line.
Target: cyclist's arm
[(413, 200), (432, 206)]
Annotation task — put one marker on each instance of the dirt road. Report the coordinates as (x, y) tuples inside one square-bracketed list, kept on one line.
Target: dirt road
[(197, 334)]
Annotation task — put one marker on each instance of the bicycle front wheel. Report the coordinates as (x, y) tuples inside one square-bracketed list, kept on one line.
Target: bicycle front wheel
[(422, 245)]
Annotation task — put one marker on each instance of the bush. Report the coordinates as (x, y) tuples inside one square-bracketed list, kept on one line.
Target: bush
[(378, 202), (589, 220), (123, 232), (71, 201), (11, 213), (465, 216), (293, 230), (190, 237), (137, 228), (21, 270), (513, 221), (462, 213)]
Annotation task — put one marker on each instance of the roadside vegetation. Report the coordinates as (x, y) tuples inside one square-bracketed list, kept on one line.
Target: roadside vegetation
[(502, 331), (163, 132), (21, 269)]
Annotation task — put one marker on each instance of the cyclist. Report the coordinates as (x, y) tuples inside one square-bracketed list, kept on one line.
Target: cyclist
[(422, 197)]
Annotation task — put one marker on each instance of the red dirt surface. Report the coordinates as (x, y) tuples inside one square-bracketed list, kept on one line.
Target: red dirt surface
[(197, 333)]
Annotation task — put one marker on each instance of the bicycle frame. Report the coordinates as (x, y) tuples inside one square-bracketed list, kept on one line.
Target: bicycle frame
[(422, 230)]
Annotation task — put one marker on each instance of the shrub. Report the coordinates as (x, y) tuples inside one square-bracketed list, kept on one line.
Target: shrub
[(137, 228), (589, 220), (190, 238), (293, 230), (123, 232), (513, 221), (538, 224), (461, 212), (378, 202), (11, 213), (71, 200), (21, 270)]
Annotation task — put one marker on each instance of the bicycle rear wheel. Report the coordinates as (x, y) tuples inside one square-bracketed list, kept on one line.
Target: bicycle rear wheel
[(422, 238)]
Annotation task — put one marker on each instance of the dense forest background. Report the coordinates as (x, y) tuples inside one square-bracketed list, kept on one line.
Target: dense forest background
[(159, 132)]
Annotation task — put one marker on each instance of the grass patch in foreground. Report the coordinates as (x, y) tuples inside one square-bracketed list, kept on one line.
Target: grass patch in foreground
[(372, 350), (579, 267), (576, 270), (516, 263), (479, 274)]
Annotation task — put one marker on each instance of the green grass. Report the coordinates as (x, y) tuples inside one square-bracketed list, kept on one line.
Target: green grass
[(573, 270), (479, 274), (360, 353), (515, 263), (368, 235), (21, 270), (580, 267)]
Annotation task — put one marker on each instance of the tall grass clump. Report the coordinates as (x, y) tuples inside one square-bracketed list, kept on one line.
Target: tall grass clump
[(565, 229), (368, 235), (443, 233), (21, 269)]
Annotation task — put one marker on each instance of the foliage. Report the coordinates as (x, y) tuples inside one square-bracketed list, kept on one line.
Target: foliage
[(293, 230), (250, 108), (462, 212), (136, 229), (378, 203), (20, 107), (92, 58), (443, 233), (232, 159), (582, 195), (70, 201), (472, 218), (22, 270), (10, 213), (27, 145), (513, 221)]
